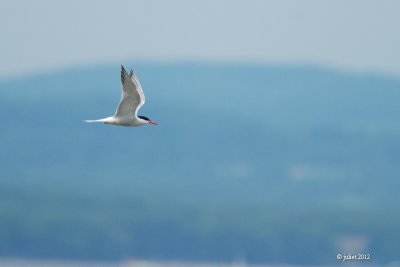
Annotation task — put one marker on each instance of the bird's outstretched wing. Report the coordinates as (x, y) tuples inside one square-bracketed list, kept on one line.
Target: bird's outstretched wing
[(132, 97)]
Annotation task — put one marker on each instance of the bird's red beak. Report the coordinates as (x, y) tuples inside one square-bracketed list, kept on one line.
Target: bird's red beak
[(153, 122)]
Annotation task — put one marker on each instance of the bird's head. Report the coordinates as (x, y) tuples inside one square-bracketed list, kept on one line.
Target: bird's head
[(148, 120)]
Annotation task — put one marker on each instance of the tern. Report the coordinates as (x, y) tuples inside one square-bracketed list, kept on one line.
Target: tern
[(132, 99)]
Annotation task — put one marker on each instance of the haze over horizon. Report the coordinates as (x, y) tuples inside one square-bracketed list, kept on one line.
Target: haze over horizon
[(352, 35)]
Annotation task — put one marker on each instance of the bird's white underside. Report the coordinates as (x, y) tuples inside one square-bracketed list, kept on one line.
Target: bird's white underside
[(123, 121)]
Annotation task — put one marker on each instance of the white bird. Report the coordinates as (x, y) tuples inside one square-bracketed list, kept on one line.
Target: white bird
[(132, 99)]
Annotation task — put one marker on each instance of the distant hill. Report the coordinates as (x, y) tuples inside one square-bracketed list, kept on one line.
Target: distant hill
[(269, 163)]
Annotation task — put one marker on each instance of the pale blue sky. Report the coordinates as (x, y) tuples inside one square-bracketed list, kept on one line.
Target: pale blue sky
[(42, 35)]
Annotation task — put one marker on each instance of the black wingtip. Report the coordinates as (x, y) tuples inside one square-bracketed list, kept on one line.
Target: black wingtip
[(123, 74)]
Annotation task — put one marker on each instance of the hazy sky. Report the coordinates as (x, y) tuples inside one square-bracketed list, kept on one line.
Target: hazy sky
[(41, 35)]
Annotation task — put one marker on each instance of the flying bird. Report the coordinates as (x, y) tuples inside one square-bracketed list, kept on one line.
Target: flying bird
[(132, 99)]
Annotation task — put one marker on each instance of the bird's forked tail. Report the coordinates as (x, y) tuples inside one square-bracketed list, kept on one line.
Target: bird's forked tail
[(100, 120)]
